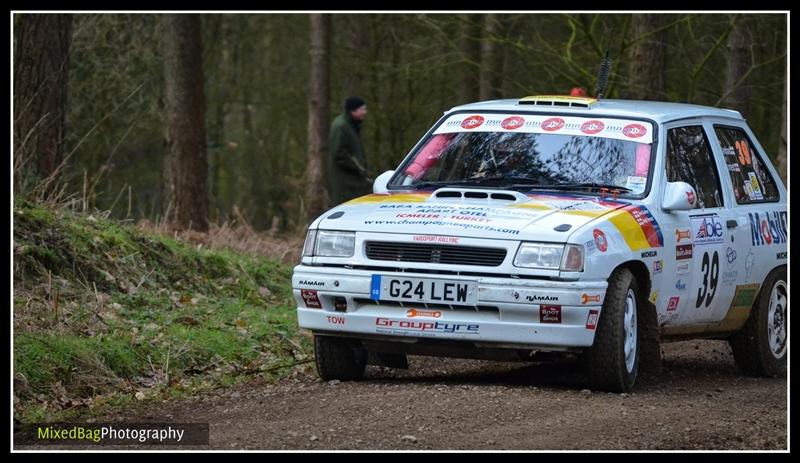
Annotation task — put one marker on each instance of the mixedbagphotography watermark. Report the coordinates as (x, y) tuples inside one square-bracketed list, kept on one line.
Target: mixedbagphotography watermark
[(112, 434)]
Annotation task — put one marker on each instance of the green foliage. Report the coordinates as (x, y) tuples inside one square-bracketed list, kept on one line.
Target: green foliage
[(104, 310)]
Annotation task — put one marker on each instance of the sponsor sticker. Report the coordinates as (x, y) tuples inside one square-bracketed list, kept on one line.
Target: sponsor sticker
[(336, 319), (756, 187), (600, 240), (591, 319), (658, 267), (512, 122), (730, 256), (411, 313), (749, 263), (647, 254), (734, 168), (681, 235), (680, 285), (682, 268), (637, 184), (707, 230), (538, 298), (683, 251), (690, 197), (768, 228), (673, 303), (472, 122), (587, 298), (311, 298), (782, 255), (553, 124), (550, 314), (634, 130), (436, 239), (422, 327), (592, 127), (744, 296), (653, 297)]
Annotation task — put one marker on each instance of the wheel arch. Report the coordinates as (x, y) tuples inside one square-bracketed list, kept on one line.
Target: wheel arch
[(650, 347)]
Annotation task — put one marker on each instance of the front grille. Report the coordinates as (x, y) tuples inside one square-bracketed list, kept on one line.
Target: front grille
[(435, 253)]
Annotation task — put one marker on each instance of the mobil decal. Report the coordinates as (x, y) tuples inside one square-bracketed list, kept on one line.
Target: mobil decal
[(553, 124), (638, 227), (768, 228), (472, 122), (707, 230), (512, 122), (592, 127)]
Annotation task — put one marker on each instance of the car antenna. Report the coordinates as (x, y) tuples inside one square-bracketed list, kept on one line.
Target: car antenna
[(602, 77)]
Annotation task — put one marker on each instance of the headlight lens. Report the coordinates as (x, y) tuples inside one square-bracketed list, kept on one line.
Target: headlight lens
[(539, 255), (308, 247), (568, 258), (335, 244)]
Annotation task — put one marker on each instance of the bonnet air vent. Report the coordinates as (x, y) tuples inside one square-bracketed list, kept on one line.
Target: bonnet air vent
[(476, 194), (489, 195), (448, 194), (503, 196)]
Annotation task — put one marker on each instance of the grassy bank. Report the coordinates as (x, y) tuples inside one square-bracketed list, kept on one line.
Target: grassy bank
[(106, 313)]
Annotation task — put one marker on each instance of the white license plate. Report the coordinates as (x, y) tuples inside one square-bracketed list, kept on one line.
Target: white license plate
[(457, 292)]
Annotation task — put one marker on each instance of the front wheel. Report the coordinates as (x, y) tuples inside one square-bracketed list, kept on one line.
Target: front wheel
[(339, 358), (759, 348), (613, 359)]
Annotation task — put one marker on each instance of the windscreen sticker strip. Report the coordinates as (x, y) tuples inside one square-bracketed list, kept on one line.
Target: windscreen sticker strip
[(619, 129)]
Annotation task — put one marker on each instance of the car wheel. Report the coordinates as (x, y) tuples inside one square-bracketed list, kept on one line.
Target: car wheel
[(613, 359), (339, 358), (759, 348)]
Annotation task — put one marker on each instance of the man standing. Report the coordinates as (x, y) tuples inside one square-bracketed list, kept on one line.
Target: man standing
[(347, 163)]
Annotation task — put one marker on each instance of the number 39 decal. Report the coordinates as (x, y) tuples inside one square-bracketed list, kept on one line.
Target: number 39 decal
[(705, 292)]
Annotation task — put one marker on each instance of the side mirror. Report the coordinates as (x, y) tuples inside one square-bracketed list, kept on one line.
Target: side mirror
[(379, 186), (679, 196)]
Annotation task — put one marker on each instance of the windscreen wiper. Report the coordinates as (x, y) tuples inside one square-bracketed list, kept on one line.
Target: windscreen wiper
[(476, 181), (592, 185)]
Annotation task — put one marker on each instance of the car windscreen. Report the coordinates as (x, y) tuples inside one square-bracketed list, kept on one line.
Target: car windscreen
[(532, 151)]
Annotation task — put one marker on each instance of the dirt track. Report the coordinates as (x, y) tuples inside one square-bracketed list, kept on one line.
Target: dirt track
[(700, 401)]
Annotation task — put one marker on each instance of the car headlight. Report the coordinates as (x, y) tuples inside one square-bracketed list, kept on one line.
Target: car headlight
[(550, 256), (308, 247), (335, 244)]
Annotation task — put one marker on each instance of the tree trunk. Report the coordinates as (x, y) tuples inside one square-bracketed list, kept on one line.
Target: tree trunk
[(41, 63), (469, 52), (491, 59), (740, 58), (357, 41), (318, 102), (186, 163), (647, 58), (782, 144)]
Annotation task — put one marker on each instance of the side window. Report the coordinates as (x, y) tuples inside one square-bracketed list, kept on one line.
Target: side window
[(689, 159), (752, 182)]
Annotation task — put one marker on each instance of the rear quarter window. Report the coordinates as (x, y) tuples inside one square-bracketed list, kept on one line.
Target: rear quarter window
[(751, 180)]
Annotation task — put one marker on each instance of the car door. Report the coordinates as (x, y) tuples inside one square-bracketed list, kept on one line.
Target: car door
[(693, 289), (761, 234)]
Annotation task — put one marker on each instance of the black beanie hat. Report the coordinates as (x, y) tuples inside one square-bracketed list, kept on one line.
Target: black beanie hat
[(352, 103)]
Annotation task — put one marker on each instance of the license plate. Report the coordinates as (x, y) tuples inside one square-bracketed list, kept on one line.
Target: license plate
[(424, 290)]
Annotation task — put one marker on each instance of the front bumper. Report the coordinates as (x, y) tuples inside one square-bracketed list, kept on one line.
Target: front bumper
[(508, 311)]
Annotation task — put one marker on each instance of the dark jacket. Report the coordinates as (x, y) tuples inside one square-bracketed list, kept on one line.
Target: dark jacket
[(347, 163)]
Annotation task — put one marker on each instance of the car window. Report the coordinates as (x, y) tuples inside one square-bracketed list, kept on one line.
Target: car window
[(752, 182), (689, 160)]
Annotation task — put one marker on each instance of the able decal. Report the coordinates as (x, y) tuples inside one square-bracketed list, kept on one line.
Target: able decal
[(707, 230), (769, 228)]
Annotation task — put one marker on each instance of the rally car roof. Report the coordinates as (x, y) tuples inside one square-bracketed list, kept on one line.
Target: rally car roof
[(658, 111)]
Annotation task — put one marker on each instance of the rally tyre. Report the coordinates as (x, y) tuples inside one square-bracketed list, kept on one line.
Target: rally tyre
[(339, 358), (613, 360), (759, 348)]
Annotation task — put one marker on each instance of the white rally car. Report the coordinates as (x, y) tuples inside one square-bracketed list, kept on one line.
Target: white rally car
[(556, 224)]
